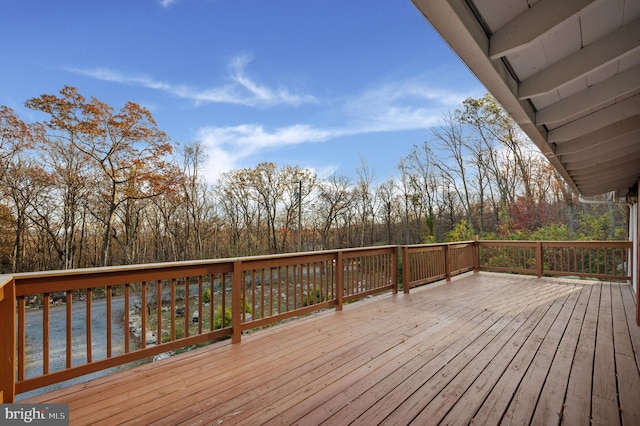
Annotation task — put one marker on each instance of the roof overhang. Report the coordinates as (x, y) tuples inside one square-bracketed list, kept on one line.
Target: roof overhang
[(567, 71)]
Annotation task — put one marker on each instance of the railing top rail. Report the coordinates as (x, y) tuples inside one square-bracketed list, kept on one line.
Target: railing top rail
[(574, 243), (455, 243), (604, 244), (144, 267), (182, 264), (5, 279)]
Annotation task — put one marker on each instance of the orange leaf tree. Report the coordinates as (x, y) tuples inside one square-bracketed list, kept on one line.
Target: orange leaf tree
[(125, 148)]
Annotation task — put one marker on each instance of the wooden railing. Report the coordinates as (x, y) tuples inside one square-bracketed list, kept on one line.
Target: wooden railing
[(7, 339), (72, 323), (59, 325), (422, 264), (605, 260)]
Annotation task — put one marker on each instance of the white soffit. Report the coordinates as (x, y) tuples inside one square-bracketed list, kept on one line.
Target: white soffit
[(568, 71)]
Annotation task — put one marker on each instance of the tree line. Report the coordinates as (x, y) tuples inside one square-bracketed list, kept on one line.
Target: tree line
[(95, 186)]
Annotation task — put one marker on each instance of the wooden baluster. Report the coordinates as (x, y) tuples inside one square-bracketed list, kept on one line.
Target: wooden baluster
[(394, 269), (270, 290), (339, 281), (200, 313), (45, 333), (173, 309), (243, 288), (236, 301), (22, 337), (69, 303), (88, 324), (212, 302), (263, 284), (109, 322), (316, 289), (143, 315), (187, 313), (290, 283), (309, 291), (300, 279), (253, 296), (159, 312), (127, 332), (539, 260), (280, 301), (447, 266)]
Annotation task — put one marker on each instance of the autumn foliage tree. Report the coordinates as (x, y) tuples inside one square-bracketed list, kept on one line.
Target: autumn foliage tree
[(15, 136), (126, 151), (92, 185)]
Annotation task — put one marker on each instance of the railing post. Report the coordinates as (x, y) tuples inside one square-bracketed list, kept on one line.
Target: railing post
[(476, 254), (406, 270), (394, 269), (236, 302), (8, 341), (447, 266), (339, 281), (539, 266)]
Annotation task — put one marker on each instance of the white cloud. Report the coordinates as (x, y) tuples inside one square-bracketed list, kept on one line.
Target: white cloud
[(226, 146), (262, 94), (404, 105), (241, 90), (391, 107), (166, 3)]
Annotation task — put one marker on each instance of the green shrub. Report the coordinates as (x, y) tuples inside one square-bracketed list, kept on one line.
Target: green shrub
[(206, 295), (217, 322), (316, 297)]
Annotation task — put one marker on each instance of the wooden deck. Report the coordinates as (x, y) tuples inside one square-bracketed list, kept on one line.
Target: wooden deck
[(486, 349)]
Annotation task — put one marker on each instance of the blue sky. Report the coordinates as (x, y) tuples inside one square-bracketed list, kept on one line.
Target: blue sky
[(323, 84)]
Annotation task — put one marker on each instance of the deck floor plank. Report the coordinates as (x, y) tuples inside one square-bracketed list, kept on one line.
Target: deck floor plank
[(397, 387), (299, 401), (444, 400), (485, 348), (470, 402), (476, 392), (526, 397), (435, 315), (387, 376), (605, 396), (246, 373), (236, 396), (501, 396), (549, 407), (577, 401), (628, 383)]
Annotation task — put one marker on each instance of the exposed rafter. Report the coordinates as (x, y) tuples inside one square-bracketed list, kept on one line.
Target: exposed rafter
[(616, 149), (593, 169), (605, 91), (598, 54), (532, 24), (604, 135), (573, 89), (604, 117), (600, 183)]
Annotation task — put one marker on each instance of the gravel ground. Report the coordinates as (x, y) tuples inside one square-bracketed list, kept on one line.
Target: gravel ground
[(57, 339)]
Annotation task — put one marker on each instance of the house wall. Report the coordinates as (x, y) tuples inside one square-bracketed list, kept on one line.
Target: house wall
[(634, 235)]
